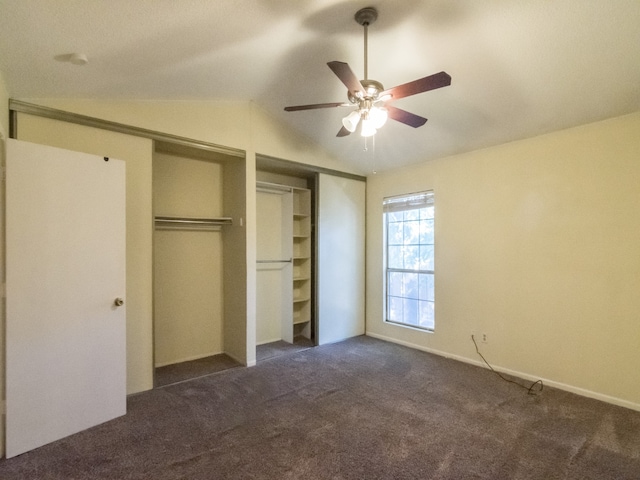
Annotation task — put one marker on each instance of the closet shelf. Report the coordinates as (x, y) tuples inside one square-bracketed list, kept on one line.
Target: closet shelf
[(188, 223)]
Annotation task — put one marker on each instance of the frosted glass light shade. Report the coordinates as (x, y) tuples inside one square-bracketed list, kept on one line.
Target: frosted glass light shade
[(350, 122), (367, 128), (378, 116)]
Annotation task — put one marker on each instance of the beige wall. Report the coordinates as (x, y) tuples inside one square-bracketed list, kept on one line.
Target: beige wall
[(537, 246), (241, 125), (188, 303), (4, 130), (4, 108), (239, 261)]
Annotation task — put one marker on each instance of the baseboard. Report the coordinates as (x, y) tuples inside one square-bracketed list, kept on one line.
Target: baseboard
[(188, 359), (547, 382), (264, 342)]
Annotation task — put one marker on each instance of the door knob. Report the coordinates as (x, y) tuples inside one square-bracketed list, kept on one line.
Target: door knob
[(118, 302)]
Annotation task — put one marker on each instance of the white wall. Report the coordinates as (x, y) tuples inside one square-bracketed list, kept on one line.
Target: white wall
[(537, 246)]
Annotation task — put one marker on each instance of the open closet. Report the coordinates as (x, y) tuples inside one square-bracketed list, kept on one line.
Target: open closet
[(284, 266), (193, 205)]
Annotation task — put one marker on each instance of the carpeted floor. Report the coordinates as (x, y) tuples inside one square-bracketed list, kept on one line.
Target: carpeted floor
[(183, 371), (360, 409), (179, 372), (276, 349)]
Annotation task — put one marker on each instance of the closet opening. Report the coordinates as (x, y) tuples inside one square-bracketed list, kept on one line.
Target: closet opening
[(285, 268), (198, 205)]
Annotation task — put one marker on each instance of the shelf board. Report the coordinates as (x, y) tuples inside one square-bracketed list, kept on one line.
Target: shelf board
[(299, 322), (301, 299), (301, 278)]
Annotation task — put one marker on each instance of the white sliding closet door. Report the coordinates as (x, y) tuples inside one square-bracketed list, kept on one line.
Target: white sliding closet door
[(274, 289), (340, 258), (65, 333)]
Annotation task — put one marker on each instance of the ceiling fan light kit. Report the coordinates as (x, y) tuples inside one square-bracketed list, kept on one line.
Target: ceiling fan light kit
[(369, 96)]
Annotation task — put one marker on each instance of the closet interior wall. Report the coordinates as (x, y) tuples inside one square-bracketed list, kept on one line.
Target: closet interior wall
[(296, 317), (190, 314)]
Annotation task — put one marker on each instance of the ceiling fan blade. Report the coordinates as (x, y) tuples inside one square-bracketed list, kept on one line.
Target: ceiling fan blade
[(316, 105), (405, 117), (346, 76), (343, 132), (437, 80)]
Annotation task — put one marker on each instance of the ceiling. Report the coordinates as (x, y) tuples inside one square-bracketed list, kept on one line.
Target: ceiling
[(519, 68)]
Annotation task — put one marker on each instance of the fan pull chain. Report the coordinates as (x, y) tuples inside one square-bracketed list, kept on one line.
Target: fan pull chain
[(374, 155)]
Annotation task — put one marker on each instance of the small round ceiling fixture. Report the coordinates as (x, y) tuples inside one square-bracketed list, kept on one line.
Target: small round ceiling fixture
[(366, 16), (78, 59)]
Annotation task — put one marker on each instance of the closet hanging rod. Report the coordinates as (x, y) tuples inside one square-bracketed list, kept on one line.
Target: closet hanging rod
[(194, 221), (267, 187), (274, 261)]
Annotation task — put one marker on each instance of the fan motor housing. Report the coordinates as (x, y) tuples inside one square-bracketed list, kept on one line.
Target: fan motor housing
[(373, 89)]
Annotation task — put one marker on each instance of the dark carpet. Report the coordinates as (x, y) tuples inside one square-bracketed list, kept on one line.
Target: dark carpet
[(179, 372), (276, 349), (360, 409)]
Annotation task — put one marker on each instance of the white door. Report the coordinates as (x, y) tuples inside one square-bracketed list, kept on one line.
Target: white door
[(65, 334), (274, 281), (340, 258)]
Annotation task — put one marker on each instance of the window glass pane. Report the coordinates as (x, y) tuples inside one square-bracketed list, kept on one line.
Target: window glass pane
[(410, 311), (413, 214), (395, 233), (410, 284), (426, 257), (395, 284), (412, 232), (395, 216), (426, 212), (426, 315), (395, 309), (426, 232), (411, 257), (426, 286), (394, 257)]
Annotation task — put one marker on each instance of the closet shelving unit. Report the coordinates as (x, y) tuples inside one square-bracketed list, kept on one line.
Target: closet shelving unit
[(301, 261)]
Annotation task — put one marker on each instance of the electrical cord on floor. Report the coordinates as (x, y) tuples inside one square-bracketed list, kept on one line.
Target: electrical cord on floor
[(529, 389)]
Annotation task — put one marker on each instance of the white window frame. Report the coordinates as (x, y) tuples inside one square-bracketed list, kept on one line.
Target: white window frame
[(409, 289)]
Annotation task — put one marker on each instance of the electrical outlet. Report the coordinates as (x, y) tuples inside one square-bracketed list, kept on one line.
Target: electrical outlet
[(483, 337)]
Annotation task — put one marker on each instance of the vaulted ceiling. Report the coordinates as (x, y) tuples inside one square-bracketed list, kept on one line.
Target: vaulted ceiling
[(519, 68)]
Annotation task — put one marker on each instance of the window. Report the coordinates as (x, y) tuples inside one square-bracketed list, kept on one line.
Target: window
[(409, 259)]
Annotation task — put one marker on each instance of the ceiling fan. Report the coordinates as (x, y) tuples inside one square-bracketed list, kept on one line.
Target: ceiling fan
[(369, 96)]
